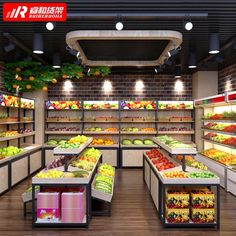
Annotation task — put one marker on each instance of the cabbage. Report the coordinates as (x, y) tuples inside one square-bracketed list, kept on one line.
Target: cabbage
[(126, 142), (148, 142), (137, 142)]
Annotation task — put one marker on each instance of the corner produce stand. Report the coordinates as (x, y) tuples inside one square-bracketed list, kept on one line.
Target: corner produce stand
[(218, 119), (177, 116), (158, 185), (18, 114), (87, 183)]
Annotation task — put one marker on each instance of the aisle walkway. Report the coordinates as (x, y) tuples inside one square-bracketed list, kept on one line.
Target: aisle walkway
[(133, 213)]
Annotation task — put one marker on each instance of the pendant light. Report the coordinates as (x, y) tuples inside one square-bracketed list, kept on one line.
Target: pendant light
[(214, 43), (56, 62), (188, 25), (38, 43), (177, 72), (192, 63)]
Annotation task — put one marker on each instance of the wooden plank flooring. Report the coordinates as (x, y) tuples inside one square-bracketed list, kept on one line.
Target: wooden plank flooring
[(133, 213)]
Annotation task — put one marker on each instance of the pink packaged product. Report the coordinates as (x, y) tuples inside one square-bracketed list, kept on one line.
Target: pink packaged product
[(48, 207), (72, 207)]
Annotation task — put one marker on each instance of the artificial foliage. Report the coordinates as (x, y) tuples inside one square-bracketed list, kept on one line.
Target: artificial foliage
[(29, 76)]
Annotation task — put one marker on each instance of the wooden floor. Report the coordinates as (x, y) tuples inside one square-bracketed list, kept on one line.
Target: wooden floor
[(133, 213)]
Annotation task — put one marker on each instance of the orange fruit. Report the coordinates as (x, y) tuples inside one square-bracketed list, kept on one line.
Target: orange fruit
[(28, 86), (45, 88), (64, 76), (14, 86), (54, 81), (97, 73), (31, 78), (18, 78), (18, 69)]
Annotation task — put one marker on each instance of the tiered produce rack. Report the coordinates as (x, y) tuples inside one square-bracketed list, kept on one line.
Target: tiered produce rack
[(218, 138), (159, 185), (17, 129), (121, 120)]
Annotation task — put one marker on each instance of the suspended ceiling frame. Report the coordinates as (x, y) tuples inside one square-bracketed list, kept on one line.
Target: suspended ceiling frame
[(175, 39)]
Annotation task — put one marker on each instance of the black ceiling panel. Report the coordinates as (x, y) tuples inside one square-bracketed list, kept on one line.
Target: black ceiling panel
[(123, 50)]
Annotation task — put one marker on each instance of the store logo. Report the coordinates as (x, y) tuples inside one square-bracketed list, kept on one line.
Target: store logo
[(34, 12)]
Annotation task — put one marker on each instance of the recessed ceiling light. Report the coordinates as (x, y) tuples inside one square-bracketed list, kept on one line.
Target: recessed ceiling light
[(50, 26), (188, 25), (119, 25)]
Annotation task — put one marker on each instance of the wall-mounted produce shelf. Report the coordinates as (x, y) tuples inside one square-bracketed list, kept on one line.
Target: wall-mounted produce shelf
[(219, 131), (3, 139), (63, 132), (176, 132)]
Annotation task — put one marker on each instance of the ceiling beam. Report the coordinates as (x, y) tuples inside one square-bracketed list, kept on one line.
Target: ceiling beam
[(23, 47), (139, 15)]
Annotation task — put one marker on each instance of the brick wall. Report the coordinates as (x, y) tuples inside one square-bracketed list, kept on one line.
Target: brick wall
[(160, 87), (227, 79)]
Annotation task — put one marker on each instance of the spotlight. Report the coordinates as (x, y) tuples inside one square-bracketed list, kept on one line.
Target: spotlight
[(50, 25), (173, 52), (89, 69), (38, 44), (10, 47), (78, 62), (188, 25), (177, 72), (192, 63), (168, 62), (86, 69), (56, 61), (214, 43), (156, 70), (119, 25), (73, 52)]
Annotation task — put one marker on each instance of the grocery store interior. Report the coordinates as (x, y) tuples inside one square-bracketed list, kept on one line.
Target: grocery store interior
[(120, 120)]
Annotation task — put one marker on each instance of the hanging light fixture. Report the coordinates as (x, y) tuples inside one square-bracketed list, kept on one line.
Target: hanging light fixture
[(214, 43), (73, 52), (188, 25), (38, 43), (56, 61), (192, 63), (177, 72), (50, 25), (119, 24)]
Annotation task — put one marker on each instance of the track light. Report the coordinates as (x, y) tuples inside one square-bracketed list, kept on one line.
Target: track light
[(50, 25), (73, 52), (168, 62), (56, 61), (77, 62), (214, 43), (173, 52), (10, 47), (38, 44), (177, 72), (192, 63), (188, 25), (156, 70)]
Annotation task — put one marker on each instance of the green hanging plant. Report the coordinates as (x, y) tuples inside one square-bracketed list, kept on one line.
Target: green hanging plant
[(29, 76)]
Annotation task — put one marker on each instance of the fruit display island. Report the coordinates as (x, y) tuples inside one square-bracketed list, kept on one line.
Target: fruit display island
[(66, 187), (218, 137), (122, 130), (17, 141), (182, 198)]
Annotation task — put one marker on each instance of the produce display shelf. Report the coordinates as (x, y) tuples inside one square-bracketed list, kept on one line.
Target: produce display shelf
[(63, 132), (137, 133), (49, 146), (61, 121), (72, 151), (16, 122), (101, 195), (218, 131), (63, 109), (188, 109), (27, 149), (3, 139), (213, 160), (137, 109), (190, 223), (168, 121), (138, 146), (122, 121), (101, 109), (100, 121), (176, 132), (219, 121), (176, 151), (116, 145), (100, 132), (218, 143), (85, 180)]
